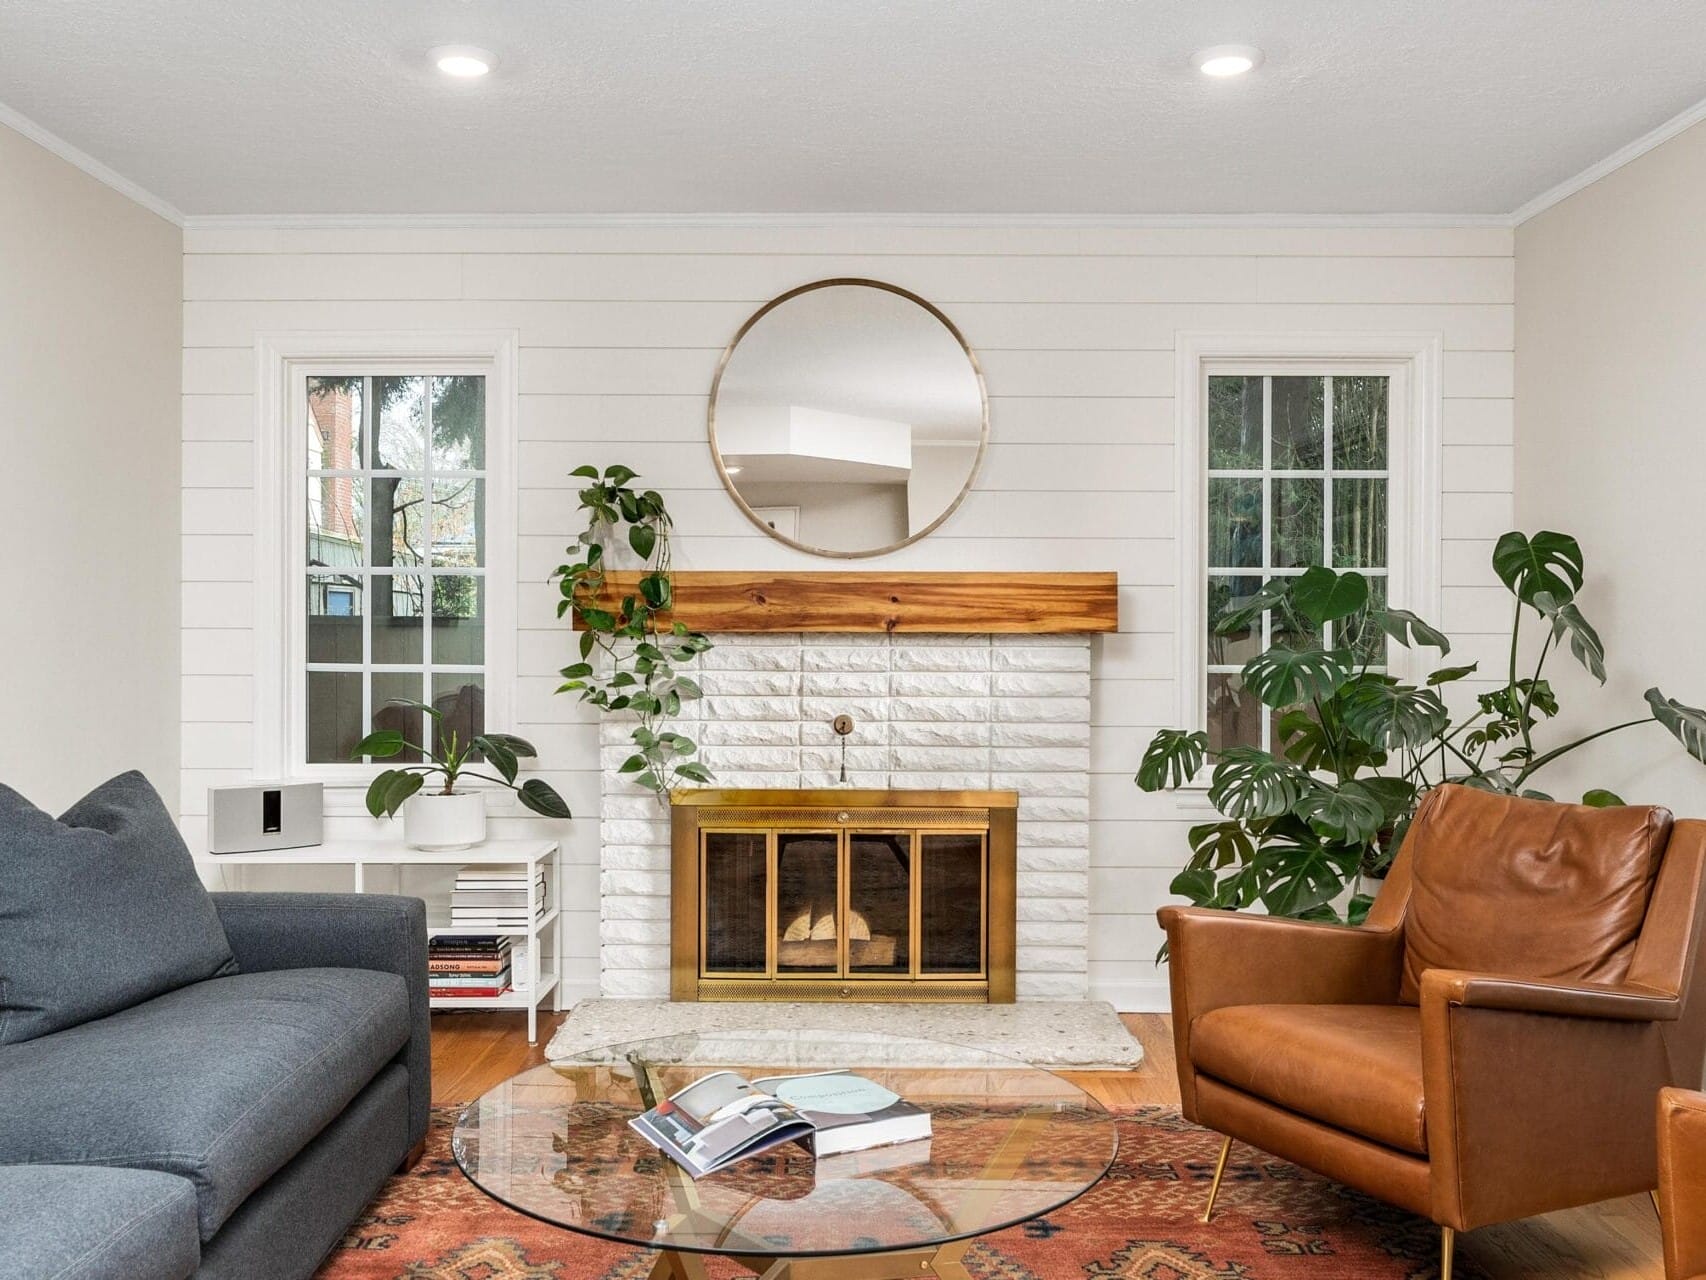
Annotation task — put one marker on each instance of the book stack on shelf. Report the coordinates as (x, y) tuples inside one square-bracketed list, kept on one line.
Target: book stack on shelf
[(495, 898), (468, 965)]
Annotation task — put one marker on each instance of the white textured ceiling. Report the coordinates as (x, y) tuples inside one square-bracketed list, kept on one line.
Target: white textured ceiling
[(804, 106)]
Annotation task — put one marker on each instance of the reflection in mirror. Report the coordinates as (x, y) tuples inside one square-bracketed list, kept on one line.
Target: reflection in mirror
[(848, 418)]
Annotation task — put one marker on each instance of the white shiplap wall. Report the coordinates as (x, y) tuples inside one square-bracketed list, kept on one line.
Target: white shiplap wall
[(620, 330)]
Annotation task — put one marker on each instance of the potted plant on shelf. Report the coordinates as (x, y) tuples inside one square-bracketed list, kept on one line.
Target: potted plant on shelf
[(1354, 749), (448, 818)]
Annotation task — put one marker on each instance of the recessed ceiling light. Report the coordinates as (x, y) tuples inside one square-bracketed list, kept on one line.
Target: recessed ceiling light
[(733, 471), (463, 61), (1228, 60)]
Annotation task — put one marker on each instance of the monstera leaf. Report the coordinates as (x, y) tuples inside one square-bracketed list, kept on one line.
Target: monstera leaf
[(1219, 844), (1409, 630), (1391, 715), (1173, 758), (1271, 594), (1548, 563), (1347, 814), (1687, 723), (1324, 596), (1250, 783), (1285, 677), (1301, 877), (1568, 623)]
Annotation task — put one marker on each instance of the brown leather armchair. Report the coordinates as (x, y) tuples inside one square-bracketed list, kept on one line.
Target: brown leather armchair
[(1682, 1182), (1490, 1043)]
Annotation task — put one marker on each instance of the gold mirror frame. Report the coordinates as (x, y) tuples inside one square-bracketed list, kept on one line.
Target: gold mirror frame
[(837, 282)]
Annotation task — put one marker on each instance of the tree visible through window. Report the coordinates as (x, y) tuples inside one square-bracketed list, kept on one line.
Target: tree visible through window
[(395, 559), (1297, 476)]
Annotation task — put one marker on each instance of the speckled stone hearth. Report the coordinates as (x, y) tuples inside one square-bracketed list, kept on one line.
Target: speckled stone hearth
[(1084, 1034)]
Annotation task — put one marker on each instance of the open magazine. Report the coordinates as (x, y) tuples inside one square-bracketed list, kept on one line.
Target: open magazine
[(723, 1117)]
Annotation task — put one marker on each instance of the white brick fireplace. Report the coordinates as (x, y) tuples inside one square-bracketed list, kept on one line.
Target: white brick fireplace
[(947, 712)]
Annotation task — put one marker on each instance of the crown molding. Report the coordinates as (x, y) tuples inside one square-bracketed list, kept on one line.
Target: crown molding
[(786, 221), (49, 141), (1678, 123)]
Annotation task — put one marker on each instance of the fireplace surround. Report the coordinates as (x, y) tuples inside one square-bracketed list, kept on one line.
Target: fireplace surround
[(843, 894)]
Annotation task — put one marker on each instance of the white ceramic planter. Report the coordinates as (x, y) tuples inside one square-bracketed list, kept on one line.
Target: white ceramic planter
[(440, 822)]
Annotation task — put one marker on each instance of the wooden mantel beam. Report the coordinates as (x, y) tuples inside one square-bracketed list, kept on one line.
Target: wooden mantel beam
[(996, 603)]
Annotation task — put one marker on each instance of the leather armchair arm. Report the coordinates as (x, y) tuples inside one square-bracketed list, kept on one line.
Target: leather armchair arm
[(1626, 1003), (1682, 1181), (1538, 1095), (1221, 958)]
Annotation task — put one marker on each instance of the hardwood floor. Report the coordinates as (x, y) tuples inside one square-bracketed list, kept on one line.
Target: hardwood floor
[(1617, 1240)]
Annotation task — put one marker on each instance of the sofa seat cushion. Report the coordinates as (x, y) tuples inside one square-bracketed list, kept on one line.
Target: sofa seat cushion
[(65, 1222), (1354, 1067), (220, 1083)]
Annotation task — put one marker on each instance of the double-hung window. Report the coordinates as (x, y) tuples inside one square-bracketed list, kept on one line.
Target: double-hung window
[(1300, 450), (1297, 475), (385, 536), (394, 558)]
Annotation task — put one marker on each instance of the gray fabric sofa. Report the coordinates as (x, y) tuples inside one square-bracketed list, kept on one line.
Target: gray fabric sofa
[(234, 1127)]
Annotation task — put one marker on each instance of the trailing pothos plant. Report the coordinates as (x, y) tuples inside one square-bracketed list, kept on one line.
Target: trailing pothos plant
[(1354, 748), (629, 658)]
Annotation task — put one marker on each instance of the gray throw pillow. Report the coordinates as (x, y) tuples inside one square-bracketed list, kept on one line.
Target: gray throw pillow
[(100, 909)]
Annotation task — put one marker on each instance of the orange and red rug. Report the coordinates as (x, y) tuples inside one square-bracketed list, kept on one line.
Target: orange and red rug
[(1273, 1222)]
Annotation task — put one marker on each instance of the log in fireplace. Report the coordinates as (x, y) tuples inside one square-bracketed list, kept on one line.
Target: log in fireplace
[(843, 895)]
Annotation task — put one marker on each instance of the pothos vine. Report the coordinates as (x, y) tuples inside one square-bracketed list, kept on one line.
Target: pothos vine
[(630, 657)]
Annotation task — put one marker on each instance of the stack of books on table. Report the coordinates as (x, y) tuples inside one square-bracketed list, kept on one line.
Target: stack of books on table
[(495, 898), (467, 965)]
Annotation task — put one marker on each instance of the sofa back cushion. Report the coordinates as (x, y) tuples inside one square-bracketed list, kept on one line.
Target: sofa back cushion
[(100, 909), (1527, 888)]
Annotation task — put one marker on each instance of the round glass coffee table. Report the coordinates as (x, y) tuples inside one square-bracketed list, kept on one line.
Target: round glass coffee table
[(1009, 1143)]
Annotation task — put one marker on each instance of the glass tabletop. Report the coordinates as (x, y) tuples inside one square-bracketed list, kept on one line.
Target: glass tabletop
[(1009, 1143)]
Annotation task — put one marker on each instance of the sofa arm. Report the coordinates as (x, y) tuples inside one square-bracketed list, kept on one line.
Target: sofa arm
[(270, 931)]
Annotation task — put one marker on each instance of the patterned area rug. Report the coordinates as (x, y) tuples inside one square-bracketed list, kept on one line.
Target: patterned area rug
[(1273, 1221)]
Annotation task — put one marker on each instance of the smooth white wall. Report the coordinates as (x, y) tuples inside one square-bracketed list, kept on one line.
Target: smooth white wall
[(1611, 388), (89, 441), (620, 332)]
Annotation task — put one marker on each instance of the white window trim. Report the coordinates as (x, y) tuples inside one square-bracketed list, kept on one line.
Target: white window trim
[(1414, 498), (281, 499)]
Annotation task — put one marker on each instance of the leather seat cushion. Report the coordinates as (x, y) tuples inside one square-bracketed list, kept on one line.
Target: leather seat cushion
[(1528, 888), (1355, 1067)]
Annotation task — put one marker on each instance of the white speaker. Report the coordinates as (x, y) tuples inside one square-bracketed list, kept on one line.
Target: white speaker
[(264, 815)]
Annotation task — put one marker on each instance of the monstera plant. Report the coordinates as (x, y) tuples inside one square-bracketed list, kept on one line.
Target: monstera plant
[(1354, 748)]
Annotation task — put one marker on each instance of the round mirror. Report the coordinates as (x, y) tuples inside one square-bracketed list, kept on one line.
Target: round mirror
[(848, 417)]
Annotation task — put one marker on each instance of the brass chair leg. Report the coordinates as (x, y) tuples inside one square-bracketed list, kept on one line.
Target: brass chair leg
[(1219, 1172), (1447, 1248)]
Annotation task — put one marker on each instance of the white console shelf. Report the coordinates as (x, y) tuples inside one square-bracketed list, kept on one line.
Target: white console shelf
[(359, 855)]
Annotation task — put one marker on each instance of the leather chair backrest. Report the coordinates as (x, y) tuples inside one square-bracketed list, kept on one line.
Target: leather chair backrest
[(1527, 888)]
